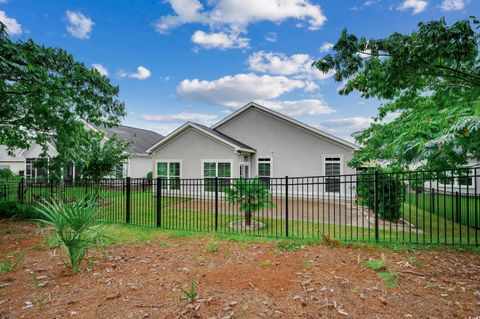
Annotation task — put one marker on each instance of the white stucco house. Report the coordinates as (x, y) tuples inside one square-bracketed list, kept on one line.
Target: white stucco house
[(22, 162), (254, 141)]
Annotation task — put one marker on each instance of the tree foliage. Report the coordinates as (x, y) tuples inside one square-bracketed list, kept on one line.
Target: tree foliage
[(427, 81), (46, 97), (101, 157)]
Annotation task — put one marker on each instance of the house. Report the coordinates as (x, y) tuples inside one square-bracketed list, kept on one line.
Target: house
[(22, 162), (254, 141), (139, 162)]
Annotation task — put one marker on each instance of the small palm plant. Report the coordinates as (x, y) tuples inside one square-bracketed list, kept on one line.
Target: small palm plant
[(76, 226), (252, 195)]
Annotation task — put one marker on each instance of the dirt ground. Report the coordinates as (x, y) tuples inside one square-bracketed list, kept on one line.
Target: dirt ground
[(234, 280)]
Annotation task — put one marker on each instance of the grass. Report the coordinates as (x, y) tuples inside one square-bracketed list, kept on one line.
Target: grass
[(9, 266), (468, 208)]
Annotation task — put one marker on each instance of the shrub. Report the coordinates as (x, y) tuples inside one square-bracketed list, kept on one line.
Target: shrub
[(390, 193), (149, 177), (76, 227), (16, 210), (6, 173), (252, 196)]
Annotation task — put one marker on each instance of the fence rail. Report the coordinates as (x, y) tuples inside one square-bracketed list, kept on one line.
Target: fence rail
[(419, 207)]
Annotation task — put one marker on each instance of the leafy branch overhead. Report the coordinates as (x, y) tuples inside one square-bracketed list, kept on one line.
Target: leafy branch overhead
[(428, 81), (46, 96)]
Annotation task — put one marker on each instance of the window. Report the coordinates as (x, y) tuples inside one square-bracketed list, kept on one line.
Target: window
[(332, 174), (37, 168), (265, 170), (169, 173), (222, 170)]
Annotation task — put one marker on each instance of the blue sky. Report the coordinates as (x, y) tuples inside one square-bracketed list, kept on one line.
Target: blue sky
[(178, 60)]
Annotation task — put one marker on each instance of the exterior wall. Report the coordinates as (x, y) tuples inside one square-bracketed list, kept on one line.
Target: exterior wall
[(17, 162), (14, 166), (139, 166), (294, 151), (191, 148)]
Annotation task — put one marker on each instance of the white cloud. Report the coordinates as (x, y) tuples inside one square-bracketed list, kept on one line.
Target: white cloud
[(345, 127), (164, 128), (100, 68), (239, 89), (13, 27), (141, 74), (205, 119), (79, 26), (371, 2), (237, 15), (219, 40), (416, 5), (297, 65), (299, 107), (271, 37), (326, 46), (451, 5)]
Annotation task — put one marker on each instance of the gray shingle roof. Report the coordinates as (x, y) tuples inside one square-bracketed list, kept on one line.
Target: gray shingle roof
[(140, 139), (226, 137)]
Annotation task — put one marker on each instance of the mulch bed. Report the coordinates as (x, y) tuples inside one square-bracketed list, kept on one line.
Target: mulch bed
[(240, 280)]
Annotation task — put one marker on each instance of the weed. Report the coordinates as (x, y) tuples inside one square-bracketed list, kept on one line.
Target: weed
[(265, 263), (308, 264), (10, 266), (189, 295), (329, 242), (35, 281), (91, 262), (41, 301), (7, 231), (212, 246), (375, 265), (289, 246), (411, 261), (389, 278)]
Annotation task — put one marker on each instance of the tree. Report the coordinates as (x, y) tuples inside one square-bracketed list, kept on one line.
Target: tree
[(252, 195), (428, 80), (47, 97), (101, 157)]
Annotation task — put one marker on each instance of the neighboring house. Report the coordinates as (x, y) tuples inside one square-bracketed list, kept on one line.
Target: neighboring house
[(462, 181), (22, 162), (254, 141), (139, 162), (138, 165)]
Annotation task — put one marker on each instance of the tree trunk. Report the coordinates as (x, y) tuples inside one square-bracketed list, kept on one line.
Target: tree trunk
[(248, 218)]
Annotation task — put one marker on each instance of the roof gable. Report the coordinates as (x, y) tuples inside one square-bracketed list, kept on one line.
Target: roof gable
[(236, 145), (287, 119)]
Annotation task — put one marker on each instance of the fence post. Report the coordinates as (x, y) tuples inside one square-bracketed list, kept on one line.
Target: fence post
[(20, 191), (127, 201), (216, 203), (286, 206), (457, 208), (159, 202), (51, 188), (375, 203)]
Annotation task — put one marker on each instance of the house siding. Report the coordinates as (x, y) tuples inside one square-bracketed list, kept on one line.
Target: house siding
[(191, 148), (294, 151), (139, 166)]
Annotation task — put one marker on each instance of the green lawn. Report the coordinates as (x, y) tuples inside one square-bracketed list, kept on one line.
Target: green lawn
[(462, 209)]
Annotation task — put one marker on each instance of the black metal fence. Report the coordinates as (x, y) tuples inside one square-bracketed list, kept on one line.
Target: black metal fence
[(424, 207)]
